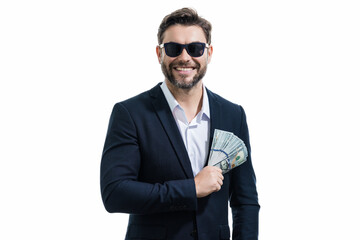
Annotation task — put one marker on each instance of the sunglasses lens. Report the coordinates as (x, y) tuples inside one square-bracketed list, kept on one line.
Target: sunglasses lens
[(196, 49), (173, 49)]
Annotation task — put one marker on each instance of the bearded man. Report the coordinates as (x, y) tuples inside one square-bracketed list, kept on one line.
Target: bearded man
[(154, 163)]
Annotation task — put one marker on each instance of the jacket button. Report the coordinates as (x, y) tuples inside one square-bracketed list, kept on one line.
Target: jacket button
[(193, 233)]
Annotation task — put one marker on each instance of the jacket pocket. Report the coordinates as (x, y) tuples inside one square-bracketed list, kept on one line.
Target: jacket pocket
[(146, 232), (224, 232)]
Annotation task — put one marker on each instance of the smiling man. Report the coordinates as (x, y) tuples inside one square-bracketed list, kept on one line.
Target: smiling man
[(154, 163)]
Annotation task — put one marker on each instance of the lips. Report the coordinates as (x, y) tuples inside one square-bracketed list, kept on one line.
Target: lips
[(184, 71), (184, 68)]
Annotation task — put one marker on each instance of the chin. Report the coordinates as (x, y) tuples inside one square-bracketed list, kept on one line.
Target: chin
[(185, 84)]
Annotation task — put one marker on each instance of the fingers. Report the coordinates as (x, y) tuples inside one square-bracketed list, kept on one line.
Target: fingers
[(220, 181), (208, 180), (217, 169), (219, 175)]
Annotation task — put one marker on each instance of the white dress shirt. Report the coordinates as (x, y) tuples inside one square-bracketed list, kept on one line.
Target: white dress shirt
[(196, 133)]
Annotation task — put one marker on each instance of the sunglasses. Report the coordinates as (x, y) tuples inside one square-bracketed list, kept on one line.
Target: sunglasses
[(194, 49)]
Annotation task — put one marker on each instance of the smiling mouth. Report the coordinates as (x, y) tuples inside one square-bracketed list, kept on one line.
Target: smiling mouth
[(184, 69)]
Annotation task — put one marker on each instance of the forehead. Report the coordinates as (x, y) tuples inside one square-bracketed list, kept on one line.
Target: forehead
[(184, 34)]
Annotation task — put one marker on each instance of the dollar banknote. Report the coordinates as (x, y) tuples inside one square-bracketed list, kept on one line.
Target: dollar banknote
[(227, 151)]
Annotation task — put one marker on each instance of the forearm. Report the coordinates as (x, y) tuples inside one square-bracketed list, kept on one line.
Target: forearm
[(244, 202), (128, 196), (128, 185)]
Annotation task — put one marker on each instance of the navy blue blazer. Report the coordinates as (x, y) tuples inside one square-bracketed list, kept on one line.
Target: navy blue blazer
[(146, 172)]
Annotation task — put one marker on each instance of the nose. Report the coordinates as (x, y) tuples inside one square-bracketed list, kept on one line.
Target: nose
[(184, 55)]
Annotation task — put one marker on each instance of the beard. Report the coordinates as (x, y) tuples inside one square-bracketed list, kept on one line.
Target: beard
[(180, 83)]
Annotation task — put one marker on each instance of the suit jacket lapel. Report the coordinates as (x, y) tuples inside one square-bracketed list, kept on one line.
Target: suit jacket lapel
[(215, 116), (163, 111)]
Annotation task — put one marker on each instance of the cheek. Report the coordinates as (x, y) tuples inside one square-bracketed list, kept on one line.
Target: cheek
[(167, 61), (203, 63)]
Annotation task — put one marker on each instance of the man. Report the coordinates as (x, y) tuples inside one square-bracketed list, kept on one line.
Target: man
[(155, 155)]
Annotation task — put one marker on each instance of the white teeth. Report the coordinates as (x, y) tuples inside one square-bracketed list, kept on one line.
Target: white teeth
[(184, 69)]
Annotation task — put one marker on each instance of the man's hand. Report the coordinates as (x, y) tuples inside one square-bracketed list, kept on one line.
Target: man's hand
[(208, 180)]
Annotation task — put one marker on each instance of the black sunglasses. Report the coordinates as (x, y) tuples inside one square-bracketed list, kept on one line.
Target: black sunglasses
[(194, 49)]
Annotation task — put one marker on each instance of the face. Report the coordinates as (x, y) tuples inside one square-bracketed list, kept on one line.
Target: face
[(184, 71), (223, 165)]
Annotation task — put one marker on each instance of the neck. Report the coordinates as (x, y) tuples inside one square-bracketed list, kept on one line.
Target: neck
[(189, 99)]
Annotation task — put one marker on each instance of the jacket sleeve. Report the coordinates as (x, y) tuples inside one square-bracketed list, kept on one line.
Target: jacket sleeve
[(243, 194), (120, 165)]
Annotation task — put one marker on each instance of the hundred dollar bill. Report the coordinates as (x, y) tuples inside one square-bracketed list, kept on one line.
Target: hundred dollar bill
[(227, 151)]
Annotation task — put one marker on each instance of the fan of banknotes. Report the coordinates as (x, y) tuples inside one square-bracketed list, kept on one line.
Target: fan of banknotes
[(227, 151)]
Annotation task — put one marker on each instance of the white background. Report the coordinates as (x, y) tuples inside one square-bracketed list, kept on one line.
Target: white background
[(293, 66)]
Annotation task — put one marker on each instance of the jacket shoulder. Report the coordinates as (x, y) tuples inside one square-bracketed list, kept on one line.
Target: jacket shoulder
[(224, 103), (142, 99)]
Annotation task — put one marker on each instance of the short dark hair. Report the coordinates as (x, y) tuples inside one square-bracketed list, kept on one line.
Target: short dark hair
[(187, 17)]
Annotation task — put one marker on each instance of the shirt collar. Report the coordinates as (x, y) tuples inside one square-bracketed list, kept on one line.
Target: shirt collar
[(205, 109)]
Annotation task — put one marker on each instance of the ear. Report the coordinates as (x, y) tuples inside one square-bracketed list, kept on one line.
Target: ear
[(209, 53), (159, 53)]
